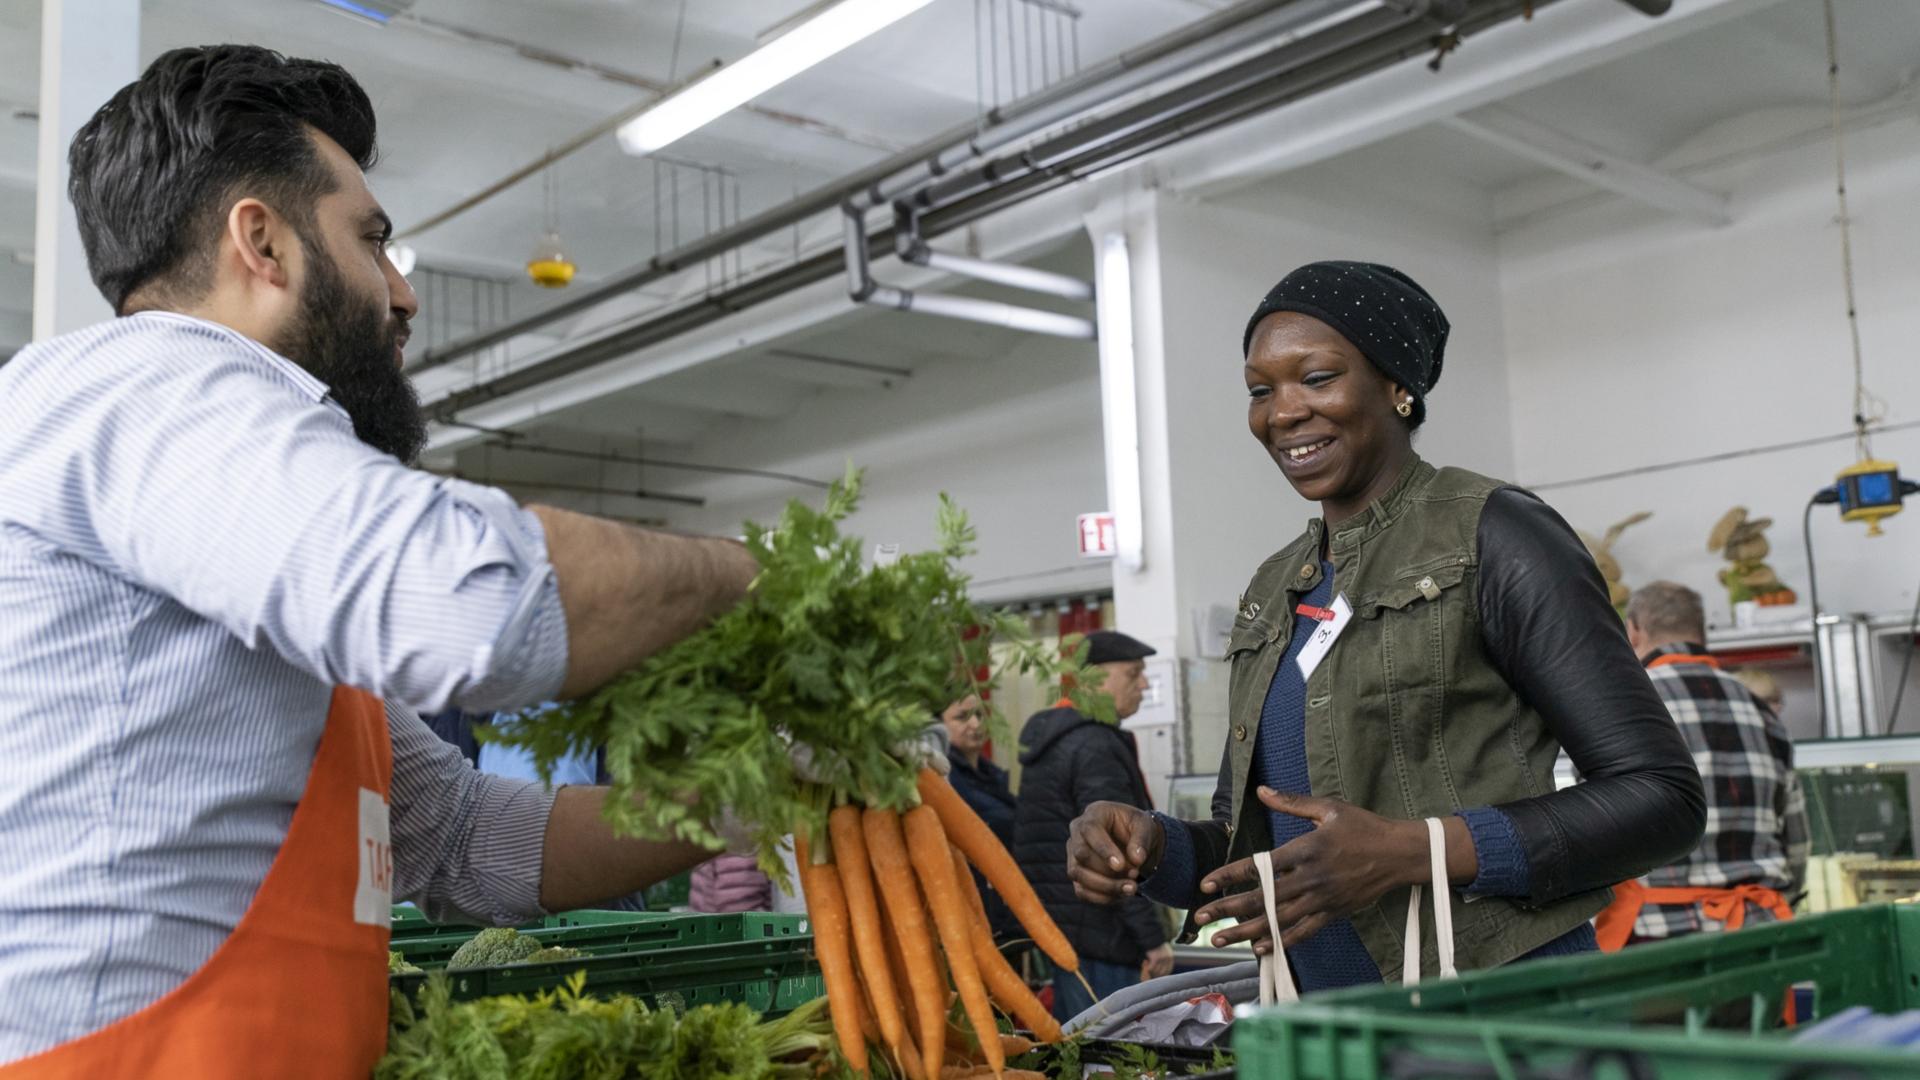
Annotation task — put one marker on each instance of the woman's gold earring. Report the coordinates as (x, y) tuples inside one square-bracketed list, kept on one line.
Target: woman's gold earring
[(1404, 408)]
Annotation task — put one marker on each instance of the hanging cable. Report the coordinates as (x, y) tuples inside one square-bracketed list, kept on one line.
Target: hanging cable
[(1863, 419), (1813, 601)]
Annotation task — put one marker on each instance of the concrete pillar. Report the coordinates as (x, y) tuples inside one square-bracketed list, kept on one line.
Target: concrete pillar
[(89, 49), (1133, 375), (1143, 594)]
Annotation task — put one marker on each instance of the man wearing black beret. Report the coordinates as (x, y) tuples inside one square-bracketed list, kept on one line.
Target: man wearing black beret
[(1070, 761)]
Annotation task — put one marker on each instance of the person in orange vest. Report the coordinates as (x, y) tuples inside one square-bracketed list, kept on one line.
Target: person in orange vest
[(228, 597), (1752, 859)]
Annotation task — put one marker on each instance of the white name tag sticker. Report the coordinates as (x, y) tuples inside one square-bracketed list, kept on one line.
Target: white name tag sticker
[(373, 897), (1324, 635)]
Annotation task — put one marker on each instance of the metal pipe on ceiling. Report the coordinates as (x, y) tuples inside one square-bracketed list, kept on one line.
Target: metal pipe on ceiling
[(1012, 275), (1356, 60), (912, 248), (1076, 91), (1325, 39), (1332, 31), (1199, 43), (862, 287)]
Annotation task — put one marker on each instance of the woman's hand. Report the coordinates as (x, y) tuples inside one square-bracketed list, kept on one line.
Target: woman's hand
[(1110, 847), (1351, 858)]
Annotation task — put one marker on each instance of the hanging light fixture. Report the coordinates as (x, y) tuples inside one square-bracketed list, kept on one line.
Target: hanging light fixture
[(816, 37), (549, 266)]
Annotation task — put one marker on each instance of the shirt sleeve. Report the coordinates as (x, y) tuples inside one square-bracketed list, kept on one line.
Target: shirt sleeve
[(1173, 881), (1502, 858), (1793, 819), (1549, 628), (467, 847), (203, 471)]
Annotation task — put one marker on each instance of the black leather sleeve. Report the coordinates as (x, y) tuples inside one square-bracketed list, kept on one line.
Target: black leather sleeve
[(1550, 630)]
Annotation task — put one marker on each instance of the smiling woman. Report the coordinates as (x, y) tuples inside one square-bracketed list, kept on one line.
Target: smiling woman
[(1423, 651)]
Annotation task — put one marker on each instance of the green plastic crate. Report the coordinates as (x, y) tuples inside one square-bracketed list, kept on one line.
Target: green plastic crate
[(431, 945), (773, 975), (1706, 1007)]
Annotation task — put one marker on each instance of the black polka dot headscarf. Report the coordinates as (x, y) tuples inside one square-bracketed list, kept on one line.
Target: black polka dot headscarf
[(1389, 318)]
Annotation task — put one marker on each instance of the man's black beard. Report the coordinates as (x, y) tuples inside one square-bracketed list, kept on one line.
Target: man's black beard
[(351, 348)]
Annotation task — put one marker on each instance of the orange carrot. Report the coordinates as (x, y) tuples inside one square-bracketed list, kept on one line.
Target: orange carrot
[(933, 862), (966, 1047), (887, 848), (827, 912), (869, 1031), (909, 1060), (856, 880), (1004, 983), (897, 964), (984, 850)]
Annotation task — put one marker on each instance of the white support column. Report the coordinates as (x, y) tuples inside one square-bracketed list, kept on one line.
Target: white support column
[(1139, 463), (89, 49)]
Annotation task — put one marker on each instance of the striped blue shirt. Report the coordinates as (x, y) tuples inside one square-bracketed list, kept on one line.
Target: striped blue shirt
[(194, 549)]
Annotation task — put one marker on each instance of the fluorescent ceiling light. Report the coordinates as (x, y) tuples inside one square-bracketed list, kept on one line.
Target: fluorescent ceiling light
[(1119, 407), (761, 70)]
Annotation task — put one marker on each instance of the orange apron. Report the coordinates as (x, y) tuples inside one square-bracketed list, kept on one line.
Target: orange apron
[(300, 986), (1728, 906)]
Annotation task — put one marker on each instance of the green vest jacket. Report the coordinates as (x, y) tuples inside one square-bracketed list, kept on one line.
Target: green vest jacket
[(1406, 716)]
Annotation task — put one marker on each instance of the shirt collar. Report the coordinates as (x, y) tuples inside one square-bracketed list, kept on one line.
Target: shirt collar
[(309, 385), (1673, 648), (1381, 512)]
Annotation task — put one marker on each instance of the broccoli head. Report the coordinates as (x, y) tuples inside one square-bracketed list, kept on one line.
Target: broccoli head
[(554, 952), (493, 948), (397, 964)]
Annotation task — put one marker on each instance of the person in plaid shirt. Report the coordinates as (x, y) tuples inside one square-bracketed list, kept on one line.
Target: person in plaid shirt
[(1753, 857)]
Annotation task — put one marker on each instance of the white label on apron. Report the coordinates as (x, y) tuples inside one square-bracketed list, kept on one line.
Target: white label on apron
[(373, 898), (1321, 643)]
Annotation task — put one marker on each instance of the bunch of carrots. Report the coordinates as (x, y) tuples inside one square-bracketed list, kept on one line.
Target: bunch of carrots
[(897, 918)]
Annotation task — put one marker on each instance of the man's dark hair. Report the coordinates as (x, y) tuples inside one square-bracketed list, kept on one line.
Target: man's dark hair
[(156, 170)]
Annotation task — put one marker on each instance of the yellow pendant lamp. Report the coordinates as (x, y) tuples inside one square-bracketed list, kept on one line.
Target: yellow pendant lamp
[(549, 266)]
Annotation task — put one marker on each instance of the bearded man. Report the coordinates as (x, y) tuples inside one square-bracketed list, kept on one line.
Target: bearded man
[(225, 596)]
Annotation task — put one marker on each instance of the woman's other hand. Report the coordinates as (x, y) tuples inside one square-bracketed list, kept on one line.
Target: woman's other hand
[(1350, 859)]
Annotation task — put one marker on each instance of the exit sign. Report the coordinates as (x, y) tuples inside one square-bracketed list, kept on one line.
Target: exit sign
[(1098, 539)]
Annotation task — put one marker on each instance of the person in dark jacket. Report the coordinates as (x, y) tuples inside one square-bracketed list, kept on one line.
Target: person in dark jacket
[(1402, 677), (1070, 762), (985, 788)]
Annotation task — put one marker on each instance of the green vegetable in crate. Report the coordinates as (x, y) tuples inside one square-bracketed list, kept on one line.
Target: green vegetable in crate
[(847, 660), (562, 1033), (553, 953), (397, 964), (493, 948)]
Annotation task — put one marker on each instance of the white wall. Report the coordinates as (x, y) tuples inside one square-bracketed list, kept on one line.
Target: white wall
[(1634, 339), (1232, 507), (1014, 438)]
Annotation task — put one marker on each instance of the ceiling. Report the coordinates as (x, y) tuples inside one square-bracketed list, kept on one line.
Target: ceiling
[(461, 105), (1660, 105), (460, 108)]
